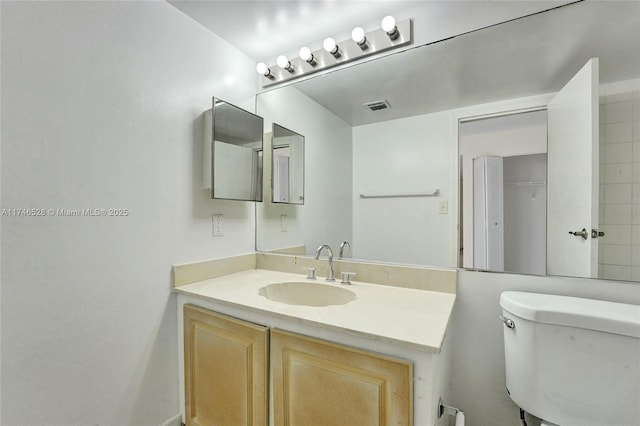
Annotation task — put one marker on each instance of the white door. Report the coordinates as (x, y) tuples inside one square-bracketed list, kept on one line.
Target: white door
[(280, 179), (488, 213), (573, 175)]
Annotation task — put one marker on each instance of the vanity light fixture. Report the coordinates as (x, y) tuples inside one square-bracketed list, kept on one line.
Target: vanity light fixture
[(284, 63), (331, 46), (307, 56), (358, 36), (389, 25), (361, 44), (264, 70)]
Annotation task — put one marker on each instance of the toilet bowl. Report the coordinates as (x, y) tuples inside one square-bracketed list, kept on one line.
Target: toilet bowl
[(572, 361)]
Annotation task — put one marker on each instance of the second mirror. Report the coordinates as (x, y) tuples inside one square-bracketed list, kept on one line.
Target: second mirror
[(287, 171)]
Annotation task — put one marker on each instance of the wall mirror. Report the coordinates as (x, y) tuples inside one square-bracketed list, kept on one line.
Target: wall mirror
[(236, 153), (287, 166), (390, 181)]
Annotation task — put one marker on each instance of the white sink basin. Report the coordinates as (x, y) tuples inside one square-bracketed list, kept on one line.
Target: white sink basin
[(307, 293)]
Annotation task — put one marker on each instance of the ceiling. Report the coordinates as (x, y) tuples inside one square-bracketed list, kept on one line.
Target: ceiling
[(532, 55), (528, 56), (264, 29)]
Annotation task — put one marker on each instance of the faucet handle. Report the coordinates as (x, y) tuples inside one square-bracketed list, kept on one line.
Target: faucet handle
[(311, 273), (346, 277)]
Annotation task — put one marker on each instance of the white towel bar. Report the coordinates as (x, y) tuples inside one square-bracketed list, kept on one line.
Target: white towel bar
[(402, 194)]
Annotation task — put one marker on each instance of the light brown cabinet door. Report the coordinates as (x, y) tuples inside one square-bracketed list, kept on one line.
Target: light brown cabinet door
[(318, 383), (225, 370)]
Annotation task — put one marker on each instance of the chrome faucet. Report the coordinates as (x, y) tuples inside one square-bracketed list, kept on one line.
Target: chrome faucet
[(330, 269), (342, 245)]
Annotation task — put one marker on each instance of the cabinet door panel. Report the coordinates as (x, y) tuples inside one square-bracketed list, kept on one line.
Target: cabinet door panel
[(226, 363), (324, 384)]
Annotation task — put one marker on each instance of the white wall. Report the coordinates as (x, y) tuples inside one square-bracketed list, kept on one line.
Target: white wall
[(415, 155), (525, 214), (478, 378), (403, 156), (325, 216), (619, 250), (101, 108)]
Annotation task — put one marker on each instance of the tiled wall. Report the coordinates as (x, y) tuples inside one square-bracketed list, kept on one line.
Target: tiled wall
[(619, 250)]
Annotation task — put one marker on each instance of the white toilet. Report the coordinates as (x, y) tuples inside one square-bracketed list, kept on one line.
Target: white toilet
[(572, 361)]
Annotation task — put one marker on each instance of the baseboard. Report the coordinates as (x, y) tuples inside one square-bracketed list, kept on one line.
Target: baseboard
[(173, 421)]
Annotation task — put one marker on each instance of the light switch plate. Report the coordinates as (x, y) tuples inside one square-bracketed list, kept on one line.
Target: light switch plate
[(443, 207)]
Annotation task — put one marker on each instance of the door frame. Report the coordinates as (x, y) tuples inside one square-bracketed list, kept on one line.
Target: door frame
[(472, 113), (470, 244)]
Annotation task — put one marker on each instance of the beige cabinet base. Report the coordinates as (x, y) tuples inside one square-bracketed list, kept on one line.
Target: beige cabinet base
[(318, 383), (225, 370)]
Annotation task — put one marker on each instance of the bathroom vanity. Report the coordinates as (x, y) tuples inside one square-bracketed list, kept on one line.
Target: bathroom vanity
[(376, 358)]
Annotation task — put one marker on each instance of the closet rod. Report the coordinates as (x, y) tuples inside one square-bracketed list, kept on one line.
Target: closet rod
[(540, 183)]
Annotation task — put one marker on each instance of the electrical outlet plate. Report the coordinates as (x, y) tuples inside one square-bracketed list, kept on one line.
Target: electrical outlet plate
[(217, 225), (284, 223)]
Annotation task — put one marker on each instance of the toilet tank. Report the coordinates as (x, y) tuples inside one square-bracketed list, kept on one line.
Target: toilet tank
[(573, 361)]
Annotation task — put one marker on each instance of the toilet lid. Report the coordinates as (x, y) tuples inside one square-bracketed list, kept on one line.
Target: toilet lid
[(600, 315)]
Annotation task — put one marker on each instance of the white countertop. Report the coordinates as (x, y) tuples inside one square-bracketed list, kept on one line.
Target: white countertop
[(413, 318)]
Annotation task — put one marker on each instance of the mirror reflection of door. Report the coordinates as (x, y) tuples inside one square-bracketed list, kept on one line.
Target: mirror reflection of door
[(488, 213), (287, 166), (504, 168), (574, 175), (281, 175), (492, 240)]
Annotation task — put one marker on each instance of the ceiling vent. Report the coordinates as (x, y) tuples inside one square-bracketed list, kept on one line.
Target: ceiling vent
[(377, 105)]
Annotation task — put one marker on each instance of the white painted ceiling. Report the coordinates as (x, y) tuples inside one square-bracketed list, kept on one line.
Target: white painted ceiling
[(264, 29), (533, 55), (529, 56)]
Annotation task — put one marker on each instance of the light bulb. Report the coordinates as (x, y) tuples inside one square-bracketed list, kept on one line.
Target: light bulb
[(306, 55), (263, 69), (330, 46), (283, 62), (358, 36), (388, 23)]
